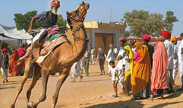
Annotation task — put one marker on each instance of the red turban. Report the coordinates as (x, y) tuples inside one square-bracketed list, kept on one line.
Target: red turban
[(55, 3), (146, 37), (166, 34), (122, 39), (3, 50)]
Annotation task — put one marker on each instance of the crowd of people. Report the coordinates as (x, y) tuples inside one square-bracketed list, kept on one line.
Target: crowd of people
[(142, 69), (8, 61), (145, 69)]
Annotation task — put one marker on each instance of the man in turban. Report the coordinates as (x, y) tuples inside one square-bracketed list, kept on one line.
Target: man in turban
[(146, 38), (48, 18), (165, 37), (175, 58), (3, 64)]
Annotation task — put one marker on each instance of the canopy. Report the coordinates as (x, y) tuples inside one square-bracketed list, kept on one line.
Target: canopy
[(153, 39), (12, 32)]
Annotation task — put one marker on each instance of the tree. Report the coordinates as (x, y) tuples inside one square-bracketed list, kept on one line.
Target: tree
[(169, 20), (127, 33), (142, 22), (23, 21)]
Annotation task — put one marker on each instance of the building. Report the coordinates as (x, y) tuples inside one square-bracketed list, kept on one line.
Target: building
[(103, 34)]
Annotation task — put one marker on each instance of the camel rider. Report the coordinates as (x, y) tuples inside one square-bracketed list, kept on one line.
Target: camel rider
[(48, 18)]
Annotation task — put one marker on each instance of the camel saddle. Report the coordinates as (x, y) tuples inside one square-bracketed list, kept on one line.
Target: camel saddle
[(53, 39)]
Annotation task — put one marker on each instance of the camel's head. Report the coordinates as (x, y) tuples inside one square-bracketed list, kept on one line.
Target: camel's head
[(78, 15)]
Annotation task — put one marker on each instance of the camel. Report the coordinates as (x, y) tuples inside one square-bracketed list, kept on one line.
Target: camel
[(60, 60)]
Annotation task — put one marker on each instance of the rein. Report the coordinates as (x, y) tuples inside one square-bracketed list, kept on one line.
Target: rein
[(77, 28)]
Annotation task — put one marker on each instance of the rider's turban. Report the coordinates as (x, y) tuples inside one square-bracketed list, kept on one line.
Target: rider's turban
[(55, 3)]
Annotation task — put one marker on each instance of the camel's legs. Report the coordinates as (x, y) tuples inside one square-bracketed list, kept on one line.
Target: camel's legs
[(28, 71), (60, 81), (36, 76), (42, 97)]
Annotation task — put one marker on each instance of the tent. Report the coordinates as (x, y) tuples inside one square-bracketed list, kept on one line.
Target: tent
[(15, 38), (12, 32)]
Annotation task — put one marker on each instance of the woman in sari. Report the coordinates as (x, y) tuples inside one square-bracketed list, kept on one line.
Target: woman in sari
[(128, 69), (141, 71), (14, 58), (159, 79), (20, 68)]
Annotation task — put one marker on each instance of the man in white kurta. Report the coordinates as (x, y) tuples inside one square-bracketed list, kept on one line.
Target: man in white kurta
[(120, 58), (180, 59), (110, 55), (170, 52), (75, 70), (175, 58), (92, 56)]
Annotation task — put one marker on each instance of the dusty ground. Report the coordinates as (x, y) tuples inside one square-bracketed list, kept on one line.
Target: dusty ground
[(94, 91)]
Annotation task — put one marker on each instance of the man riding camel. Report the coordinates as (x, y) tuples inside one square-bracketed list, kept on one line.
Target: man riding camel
[(48, 18)]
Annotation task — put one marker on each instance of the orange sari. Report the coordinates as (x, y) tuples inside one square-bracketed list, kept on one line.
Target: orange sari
[(142, 69), (14, 59)]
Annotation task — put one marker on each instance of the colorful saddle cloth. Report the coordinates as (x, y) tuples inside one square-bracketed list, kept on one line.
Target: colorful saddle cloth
[(50, 45), (53, 39)]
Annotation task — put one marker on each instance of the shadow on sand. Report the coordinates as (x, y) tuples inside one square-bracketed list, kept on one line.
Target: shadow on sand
[(137, 104), (1, 88), (120, 104), (165, 104)]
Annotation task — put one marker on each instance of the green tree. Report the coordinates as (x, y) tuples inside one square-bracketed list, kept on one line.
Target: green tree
[(169, 20), (142, 22), (23, 21), (127, 33), (62, 23)]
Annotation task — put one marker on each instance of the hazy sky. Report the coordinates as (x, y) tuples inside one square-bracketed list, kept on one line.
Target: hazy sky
[(99, 9)]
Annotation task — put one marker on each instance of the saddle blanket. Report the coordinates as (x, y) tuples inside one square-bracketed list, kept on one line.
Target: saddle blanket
[(49, 47)]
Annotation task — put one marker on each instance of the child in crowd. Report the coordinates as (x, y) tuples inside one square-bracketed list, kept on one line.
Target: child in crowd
[(113, 71)]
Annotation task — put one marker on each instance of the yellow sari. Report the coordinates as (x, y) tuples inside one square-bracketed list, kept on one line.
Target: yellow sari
[(141, 71), (127, 47)]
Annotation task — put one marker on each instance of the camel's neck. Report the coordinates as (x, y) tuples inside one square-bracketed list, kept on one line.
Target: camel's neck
[(80, 43)]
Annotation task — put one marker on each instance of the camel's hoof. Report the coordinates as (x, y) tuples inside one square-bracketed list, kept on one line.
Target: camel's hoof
[(12, 106), (31, 105)]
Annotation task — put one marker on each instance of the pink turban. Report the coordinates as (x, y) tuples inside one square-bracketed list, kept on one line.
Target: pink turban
[(146, 37), (166, 34), (55, 3), (3, 50)]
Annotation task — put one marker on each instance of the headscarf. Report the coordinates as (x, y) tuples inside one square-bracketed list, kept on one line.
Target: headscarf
[(3, 50), (55, 3), (141, 71), (146, 37), (127, 47), (166, 34), (173, 39), (159, 79)]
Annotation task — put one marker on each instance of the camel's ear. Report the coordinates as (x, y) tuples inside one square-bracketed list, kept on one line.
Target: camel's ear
[(68, 14)]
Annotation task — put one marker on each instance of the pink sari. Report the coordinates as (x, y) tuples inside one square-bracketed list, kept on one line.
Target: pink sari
[(159, 79)]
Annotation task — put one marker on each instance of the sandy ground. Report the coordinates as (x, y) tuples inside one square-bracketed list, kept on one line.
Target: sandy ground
[(94, 91)]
